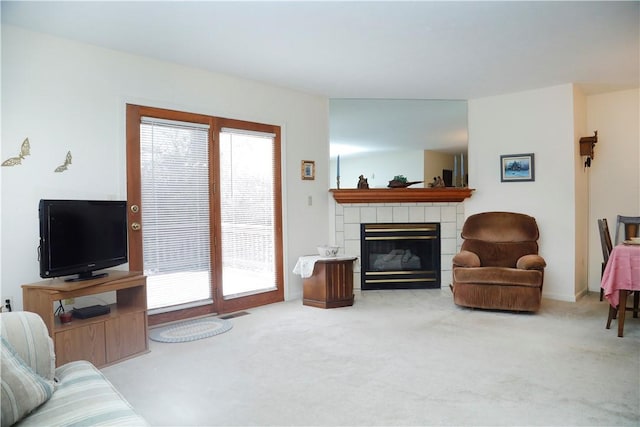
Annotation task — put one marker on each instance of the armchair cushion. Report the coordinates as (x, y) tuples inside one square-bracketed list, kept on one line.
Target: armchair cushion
[(500, 227), (23, 390), (466, 259), (499, 254), (497, 276), (531, 262)]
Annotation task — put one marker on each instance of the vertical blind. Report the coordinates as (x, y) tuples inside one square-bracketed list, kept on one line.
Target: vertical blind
[(174, 164)]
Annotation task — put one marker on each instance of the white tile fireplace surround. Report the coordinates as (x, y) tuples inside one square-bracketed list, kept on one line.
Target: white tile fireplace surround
[(347, 218)]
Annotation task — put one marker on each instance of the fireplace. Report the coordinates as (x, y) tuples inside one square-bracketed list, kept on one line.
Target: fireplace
[(400, 255), (346, 217)]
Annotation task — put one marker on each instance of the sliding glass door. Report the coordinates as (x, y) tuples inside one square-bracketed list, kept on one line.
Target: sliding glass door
[(205, 212), (247, 212), (174, 169)]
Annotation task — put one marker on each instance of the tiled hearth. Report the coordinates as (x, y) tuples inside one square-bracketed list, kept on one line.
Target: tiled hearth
[(347, 217)]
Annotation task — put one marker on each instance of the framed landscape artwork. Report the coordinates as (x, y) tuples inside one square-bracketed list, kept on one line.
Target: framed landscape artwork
[(308, 169), (517, 167)]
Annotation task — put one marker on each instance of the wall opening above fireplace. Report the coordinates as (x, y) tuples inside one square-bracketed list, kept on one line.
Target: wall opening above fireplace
[(400, 256)]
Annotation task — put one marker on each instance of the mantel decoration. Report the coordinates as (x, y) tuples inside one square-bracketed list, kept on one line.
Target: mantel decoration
[(517, 167), (437, 182), (25, 150), (400, 181), (67, 162), (587, 144), (308, 169)]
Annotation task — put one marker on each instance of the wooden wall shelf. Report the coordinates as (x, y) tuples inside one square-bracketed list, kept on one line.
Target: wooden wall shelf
[(401, 195)]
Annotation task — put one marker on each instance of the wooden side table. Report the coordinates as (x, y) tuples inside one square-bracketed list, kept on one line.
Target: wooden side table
[(330, 285)]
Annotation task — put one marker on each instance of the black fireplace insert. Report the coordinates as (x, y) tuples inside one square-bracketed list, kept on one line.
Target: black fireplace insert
[(400, 256)]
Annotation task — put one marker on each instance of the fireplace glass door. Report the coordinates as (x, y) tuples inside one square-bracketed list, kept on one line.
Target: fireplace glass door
[(400, 256)]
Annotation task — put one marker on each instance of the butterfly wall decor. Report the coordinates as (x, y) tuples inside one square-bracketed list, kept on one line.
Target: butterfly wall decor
[(67, 162), (25, 150)]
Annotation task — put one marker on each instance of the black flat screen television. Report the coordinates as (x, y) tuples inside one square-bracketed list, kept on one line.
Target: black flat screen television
[(79, 237)]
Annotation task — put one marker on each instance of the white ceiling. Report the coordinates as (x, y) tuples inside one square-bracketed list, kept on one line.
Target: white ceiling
[(383, 49)]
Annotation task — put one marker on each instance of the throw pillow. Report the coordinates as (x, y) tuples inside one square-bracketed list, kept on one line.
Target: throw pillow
[(22, 390)]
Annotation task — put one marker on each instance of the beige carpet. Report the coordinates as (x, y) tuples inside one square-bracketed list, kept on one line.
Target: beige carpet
[(395, 358)]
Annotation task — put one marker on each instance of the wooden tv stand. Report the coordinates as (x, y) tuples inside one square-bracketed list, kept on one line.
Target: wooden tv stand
[(102, 340)]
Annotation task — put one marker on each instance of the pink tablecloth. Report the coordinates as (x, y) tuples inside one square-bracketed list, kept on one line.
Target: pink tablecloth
[(622, 272)]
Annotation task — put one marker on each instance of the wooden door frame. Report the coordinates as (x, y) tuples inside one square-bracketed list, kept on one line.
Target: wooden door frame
[(133, 115), (234, 304)]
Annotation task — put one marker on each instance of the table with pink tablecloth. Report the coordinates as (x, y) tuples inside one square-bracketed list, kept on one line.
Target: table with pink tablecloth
[(622, 272)]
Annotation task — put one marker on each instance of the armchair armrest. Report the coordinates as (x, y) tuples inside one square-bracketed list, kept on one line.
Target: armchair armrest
[(531, 262), (466, 259)]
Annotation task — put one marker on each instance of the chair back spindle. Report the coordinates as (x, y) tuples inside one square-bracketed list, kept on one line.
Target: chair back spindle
[(607, 247), (605, 240)]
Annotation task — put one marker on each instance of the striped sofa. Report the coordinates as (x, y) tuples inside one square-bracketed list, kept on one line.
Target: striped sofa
[(35, 393)]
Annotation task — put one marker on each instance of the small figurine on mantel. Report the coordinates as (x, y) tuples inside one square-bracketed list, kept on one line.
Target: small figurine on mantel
[(362, 182), (437, 182)]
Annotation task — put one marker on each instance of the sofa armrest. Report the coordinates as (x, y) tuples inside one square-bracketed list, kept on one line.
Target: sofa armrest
[(466, 259), (28, 335), (531, 262)]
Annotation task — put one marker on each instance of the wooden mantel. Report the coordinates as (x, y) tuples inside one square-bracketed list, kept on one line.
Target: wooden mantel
[(401, 195)]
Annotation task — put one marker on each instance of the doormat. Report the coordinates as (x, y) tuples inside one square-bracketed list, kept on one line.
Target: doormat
[(190, 330)]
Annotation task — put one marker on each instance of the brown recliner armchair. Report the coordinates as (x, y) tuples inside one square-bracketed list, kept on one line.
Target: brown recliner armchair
[(498, 266)]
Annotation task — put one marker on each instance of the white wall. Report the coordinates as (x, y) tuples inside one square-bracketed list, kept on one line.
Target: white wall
[(614, 179), (539, 122), (70, 96), (581, 181)]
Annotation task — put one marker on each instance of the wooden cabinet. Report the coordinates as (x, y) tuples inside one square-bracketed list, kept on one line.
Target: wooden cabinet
[(102, 340), (84, 342), (330, 285), (123, 337)]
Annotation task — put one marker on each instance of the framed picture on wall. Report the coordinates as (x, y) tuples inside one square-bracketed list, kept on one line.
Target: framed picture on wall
[(308, 169), (517, 167)]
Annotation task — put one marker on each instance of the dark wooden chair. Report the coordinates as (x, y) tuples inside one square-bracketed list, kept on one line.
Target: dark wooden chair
[(630, 225), (622, 305), (605, 242)]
